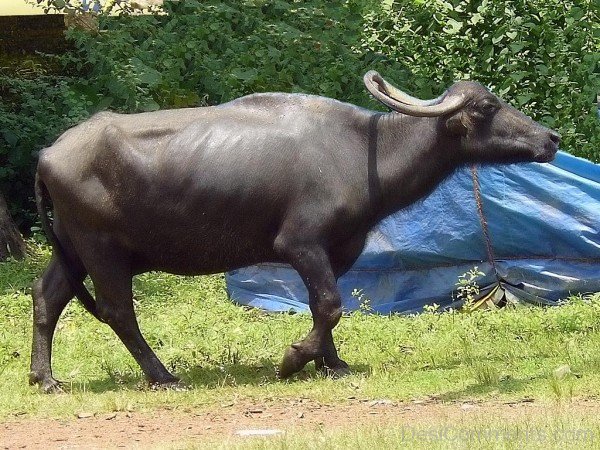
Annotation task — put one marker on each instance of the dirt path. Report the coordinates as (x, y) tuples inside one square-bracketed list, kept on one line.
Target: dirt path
[(163, 428)]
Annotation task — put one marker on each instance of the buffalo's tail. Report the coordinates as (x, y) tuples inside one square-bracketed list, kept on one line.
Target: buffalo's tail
[(81, 292)]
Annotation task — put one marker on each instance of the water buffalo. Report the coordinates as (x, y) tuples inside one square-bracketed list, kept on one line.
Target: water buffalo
[(268, 177)]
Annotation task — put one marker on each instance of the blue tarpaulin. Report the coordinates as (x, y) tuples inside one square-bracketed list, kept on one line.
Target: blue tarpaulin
[(532, 229)]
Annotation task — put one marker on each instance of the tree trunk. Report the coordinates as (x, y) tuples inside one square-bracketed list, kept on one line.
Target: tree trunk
[(11, 242)]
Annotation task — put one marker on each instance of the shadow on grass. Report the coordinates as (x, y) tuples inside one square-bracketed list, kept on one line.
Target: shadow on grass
[(506, 386), (208, 377), (460, 361)]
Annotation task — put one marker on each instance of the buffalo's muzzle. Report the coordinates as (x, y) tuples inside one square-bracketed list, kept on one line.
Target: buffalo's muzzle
[(550, 148)]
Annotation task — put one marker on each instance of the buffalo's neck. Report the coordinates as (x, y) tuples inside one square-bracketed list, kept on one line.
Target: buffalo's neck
[(408, 158)]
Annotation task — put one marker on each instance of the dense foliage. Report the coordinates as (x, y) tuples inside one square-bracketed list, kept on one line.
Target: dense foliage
[(33, 112), (542, 56)]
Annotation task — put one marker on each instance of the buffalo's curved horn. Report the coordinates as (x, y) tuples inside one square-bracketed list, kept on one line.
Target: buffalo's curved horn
[(399, 101), (399, 95)]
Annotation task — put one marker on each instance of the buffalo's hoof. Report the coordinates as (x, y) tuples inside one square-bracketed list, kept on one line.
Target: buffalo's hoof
[(53, 386), (293, 361), (170, 383), (335, 370), (48, 385), (176, 386)]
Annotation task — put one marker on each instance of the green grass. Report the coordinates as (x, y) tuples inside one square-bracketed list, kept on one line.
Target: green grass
[(547, 431), (480, 433), (225, 353)]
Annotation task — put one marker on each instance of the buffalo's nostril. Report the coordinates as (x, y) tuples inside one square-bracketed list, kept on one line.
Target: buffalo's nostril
[(554, 137)]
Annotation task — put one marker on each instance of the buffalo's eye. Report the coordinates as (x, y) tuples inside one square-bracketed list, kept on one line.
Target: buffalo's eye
[(488, 108)]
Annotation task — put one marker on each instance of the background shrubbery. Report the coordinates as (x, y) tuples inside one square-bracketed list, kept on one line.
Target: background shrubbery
[(542, 56)]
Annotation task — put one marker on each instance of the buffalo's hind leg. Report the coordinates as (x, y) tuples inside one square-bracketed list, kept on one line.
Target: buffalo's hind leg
[(313, 265), (110, 272), (51, 293)]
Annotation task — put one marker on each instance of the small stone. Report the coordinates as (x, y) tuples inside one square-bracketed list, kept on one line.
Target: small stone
[(300, 415), (562, 371), (380, 402), (111, 416), (84, 415), (249, 433)]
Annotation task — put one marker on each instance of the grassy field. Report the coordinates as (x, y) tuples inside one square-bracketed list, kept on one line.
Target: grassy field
[(546, 432), (540, 434), (225, 353)]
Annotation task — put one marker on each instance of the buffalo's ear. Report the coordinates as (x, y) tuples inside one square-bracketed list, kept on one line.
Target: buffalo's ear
[(457, 124)]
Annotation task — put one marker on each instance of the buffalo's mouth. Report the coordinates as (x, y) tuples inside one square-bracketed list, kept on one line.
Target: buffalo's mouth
[(545, 157), (526, 152), (548, 154)]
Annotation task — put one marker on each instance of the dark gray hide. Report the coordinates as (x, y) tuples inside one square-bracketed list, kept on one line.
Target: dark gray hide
[(268, 177)]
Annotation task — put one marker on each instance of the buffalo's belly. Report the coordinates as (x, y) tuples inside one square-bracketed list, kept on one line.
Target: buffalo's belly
[(199, 248)]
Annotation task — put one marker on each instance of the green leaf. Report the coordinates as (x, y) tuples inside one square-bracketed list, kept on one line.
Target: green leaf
[(149, 105), (523, 99), (452, 26), (146, 75), (518, 76), (497, 39), (517, 46), (576, 13), (150, 77), (244, 75), (475, 19), (10, 137), (542, 69)]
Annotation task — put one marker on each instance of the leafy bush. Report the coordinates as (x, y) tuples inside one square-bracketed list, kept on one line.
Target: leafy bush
[(36, 107), (216, 51), (542, 56)]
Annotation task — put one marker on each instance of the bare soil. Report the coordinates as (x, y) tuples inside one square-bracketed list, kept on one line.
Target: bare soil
[(227, 422)]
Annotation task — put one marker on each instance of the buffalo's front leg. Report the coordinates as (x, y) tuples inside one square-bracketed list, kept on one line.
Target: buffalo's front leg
[(313, 265), (331, 364), (341, 260)]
